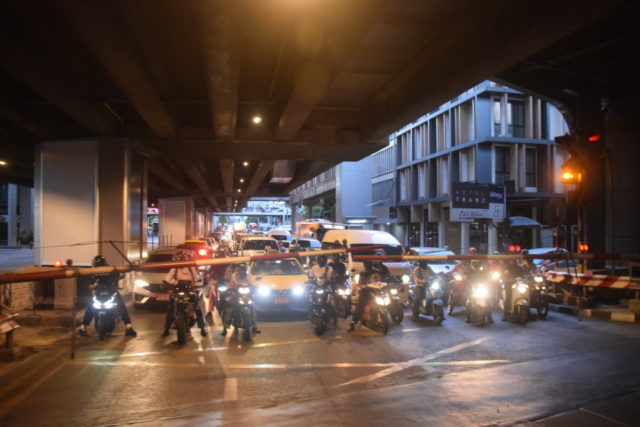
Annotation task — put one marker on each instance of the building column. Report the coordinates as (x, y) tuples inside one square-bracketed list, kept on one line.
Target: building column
[(464, 237), (12, 215), (25, 204), (492, 239)]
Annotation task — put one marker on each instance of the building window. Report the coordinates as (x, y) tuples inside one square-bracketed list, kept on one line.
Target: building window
[(497, 117), (444, 176), (502, 162), (422, 181), (515, 118), (530, 167)]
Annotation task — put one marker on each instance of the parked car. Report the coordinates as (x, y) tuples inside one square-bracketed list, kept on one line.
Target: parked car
[(438, 266), (280, 284), (200, 247), (149, 288)]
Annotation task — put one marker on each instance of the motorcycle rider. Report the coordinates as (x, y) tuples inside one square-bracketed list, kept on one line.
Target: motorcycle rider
[(239, 278), (109, 281), (369, 275), (421, 275), (512, 270), (320, 271), (183, 274)]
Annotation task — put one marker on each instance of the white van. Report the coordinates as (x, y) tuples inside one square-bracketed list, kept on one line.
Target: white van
[(255, 245), (400, 270)]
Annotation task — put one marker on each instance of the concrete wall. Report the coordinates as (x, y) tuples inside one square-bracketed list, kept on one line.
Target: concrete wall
[(176, 219), (353, 189)]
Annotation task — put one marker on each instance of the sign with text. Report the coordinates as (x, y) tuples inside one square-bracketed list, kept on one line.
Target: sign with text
[(471, 201)]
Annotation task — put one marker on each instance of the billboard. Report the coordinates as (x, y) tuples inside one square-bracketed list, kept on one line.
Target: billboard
[(470, 201)]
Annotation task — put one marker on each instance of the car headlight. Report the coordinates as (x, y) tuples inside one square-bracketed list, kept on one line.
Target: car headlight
[(495, 275), (406, 278), (435, 286), (264, 291), (538, 279), (141, 283), (298, 290), (244, 290), (222, 289), (522, 288), (394, 291), (480, 291)]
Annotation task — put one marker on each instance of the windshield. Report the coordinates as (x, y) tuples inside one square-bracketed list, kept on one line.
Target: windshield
[(276, 267), (258, 244), (279, 237), (160, 258), (388, 249), (309, 243)]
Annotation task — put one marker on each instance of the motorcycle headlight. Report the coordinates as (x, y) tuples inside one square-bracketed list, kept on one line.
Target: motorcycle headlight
[(141, 283), (298, 290), (379, 300), (356, 278), (341, 292), (244, 290), (180, 294), (319, 291), (435, 286), (457, 277), (405, 278), (394, 291), (347, 291), (97, 304), (222, 289), (109, 304), (264, 291), (495, 275), (522, 288), (538, 279), (480, 291), (387, 301)]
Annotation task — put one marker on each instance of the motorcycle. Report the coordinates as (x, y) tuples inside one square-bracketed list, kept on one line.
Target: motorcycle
[(343, 298), (240, 302), (479, 301), (457, 293), (430, 302), (321, 307), (105, 305), (519, 302), (539, 296), (183, 299), (376, 315), (395, 308)]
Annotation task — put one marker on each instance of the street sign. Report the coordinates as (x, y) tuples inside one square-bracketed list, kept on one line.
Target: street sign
[(470, 201)]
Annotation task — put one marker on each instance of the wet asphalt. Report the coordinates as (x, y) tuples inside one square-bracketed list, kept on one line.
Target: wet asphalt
[(418, 374)]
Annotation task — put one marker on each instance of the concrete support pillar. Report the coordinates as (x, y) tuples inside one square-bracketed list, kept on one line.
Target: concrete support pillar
[(90, 192), (464, 237), (25, 206), (442, 231), (12, 215), (176, 222)]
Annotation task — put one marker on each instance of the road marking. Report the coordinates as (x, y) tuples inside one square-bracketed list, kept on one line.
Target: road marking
[(420, 361), (604, 417), (230, 389)]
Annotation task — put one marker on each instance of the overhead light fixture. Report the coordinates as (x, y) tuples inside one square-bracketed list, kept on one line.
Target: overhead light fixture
[(241, 180), (3, 163), (257, 119), (245, 163), (239, 190)]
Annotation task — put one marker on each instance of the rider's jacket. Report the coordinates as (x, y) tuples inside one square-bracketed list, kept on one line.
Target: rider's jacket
[(422, 274), (176, 275)]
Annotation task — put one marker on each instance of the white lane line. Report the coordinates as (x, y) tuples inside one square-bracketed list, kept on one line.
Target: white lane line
[(604, 417), (396, 367), (230, 389)]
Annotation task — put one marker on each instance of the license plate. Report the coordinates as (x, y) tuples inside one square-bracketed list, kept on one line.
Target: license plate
[(281, 300), (162, 297)]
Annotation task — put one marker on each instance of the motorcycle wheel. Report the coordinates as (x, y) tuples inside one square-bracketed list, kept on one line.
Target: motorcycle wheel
[(379, 321), (543, 310), (319, 325), (181, 327), (397, 313), (439, 315), (415, 311), (450, 304), (523, 314), (101, 327), (246, 334), (483, 319), (467, 314)]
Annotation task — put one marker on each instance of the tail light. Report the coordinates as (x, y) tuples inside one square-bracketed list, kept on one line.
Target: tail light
[(202, 252)]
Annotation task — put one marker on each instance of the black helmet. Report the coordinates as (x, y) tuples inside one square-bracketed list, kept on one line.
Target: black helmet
[(424, 264), (99, 261)]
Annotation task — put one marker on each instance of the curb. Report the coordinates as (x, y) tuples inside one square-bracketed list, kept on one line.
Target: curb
[(600, 314)]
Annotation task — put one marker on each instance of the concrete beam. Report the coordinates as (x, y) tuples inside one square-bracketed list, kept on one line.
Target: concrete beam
[(263, 169), (23, 67), (226, 171), (98, 25), (193, 171), (166, 176), (218, 26), (20, 119)]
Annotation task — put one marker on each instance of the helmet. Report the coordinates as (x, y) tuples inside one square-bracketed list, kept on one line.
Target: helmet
[(322, 260), (99, 261), (472, 251), (424, 264)]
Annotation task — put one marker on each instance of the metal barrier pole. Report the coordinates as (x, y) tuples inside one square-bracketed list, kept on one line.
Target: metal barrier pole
[(72, 355)]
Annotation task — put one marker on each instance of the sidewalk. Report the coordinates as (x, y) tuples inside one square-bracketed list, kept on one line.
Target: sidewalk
[(614, 313), (13, 259)]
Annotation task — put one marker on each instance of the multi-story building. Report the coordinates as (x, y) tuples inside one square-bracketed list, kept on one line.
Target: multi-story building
[(490, 134)]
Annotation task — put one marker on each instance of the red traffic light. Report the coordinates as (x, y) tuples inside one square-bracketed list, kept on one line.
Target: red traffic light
[(57, 263), (583, 247), (594, 138)]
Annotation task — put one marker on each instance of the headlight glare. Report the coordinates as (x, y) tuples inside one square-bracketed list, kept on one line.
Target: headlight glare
[(495, 275), (222, 289), (264, 291), (435, 286), (522, 288), (480, 291), (394, 291), (244, 290), (538, 279), (298, 290), (379, 301), (405, 278), (141, 283)]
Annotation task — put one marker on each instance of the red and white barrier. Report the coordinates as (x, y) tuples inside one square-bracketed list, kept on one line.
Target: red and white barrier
[(594, 280)]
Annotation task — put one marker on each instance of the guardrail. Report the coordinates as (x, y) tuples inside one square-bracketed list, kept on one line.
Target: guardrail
[(594, 280)]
